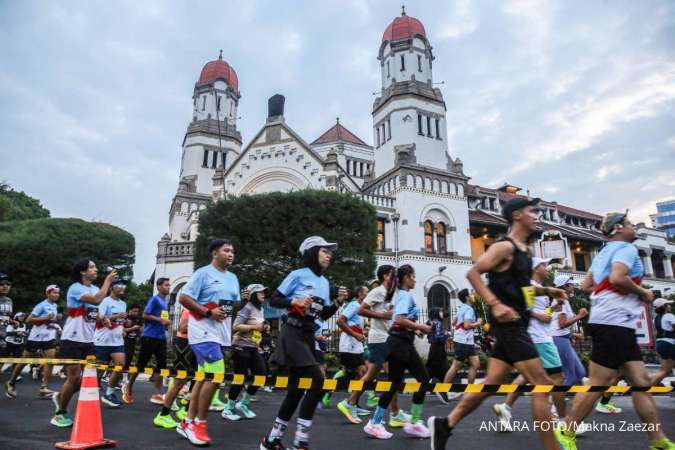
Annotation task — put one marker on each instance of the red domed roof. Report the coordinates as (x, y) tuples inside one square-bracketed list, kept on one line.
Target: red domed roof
[(403, 27), (219, 69)]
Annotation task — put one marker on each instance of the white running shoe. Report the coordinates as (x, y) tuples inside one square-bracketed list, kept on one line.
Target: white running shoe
[(229, 414), (378, 431), (417, 429), (503, 413), (454, 395), (582, 428)]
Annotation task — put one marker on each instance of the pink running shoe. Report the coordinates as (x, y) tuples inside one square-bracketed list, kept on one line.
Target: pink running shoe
[(417, 429), (378, 431)]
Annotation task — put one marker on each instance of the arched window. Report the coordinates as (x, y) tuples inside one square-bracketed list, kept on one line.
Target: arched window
[(428, 237), (441, 242), (439, 298)]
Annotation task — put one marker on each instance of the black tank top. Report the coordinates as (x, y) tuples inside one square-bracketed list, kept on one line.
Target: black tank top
[(512, 286)]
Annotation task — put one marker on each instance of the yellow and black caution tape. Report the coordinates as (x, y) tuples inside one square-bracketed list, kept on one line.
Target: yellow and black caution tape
[(282, 382)]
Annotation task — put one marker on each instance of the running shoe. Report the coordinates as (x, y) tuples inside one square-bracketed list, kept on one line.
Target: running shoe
[(326, 400), (111, 400), (373, 400), (607, 408), (181, 414), (300, 446), (217, 405), (417, 429), (399, 419), (244, 410), (362, 412), (443, 397), (377, 430), (157, 399), (253, 398), (62, 420), (35, 373), (503, 413), (663, 444), (229, 414), (349, 411), (268, 389), (454, 395), (199, 433), (566, 439), (439, 433), (127, 396), (174, 406), (274, 444), (165, 421), (582, 427), (182, 427), (45, 392), (10, 390)]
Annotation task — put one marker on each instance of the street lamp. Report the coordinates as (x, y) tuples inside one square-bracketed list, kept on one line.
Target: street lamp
[(396, 217)]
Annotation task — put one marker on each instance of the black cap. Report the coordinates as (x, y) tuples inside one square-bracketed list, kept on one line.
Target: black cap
[(517, 203), (5, 277)]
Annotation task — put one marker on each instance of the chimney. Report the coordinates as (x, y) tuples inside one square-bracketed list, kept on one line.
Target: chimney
[(275, 108)]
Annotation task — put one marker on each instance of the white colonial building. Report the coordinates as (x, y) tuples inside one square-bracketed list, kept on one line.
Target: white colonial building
[(428, 213)]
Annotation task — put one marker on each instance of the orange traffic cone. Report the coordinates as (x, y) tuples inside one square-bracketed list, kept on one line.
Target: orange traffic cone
[(88, 427)]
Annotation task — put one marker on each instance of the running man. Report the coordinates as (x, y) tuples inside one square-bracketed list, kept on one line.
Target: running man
[(153, 342), (132, 329), (616, 305), (209, 296), (41, 340), (77, 337), (509, 294), (463, 341), (109, 339), (664, 323), (6, 310)]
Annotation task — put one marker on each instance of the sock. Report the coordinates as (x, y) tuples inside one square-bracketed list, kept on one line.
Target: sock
[(378, 415), (370, 394), (278, 429), (605, 400), (230, 404), (507, 407), (165, 411), (246, 398), (416, 411), (109, 390), (302, 431), (339, 374)]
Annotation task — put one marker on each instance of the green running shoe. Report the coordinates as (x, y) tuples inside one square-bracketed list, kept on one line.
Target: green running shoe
[(663, 444), (62, 420), (326, 400), (399, 420), (349, 411), (165, 421), (566, 439), (181, 413), (216, 405), (372, 401), (244, 410)]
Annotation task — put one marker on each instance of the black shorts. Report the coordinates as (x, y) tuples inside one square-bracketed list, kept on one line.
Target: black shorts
[(462, 352), (39, 346), (184, 358), (613, 346), (513, 344), (665, 349), (76, 350), (318, 354), (152, 347), (351, 361), (553, 370)]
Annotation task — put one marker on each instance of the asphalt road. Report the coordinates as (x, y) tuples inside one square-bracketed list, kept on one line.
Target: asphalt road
[(24, 424)]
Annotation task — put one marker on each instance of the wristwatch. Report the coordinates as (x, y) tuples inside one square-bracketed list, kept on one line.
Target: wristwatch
[(207, 314)]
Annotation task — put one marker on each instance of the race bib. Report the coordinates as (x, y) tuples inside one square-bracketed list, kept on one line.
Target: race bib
[(227, 306), (256, 337), (164, 314), (528, 295), (92, 314)]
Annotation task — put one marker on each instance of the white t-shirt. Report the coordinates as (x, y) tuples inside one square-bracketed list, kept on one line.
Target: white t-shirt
[(46, 331), (668, 324), (555, 325), (539, 331), (113, 336), (379, 328)]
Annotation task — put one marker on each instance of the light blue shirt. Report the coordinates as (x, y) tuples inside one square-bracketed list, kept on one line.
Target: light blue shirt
[(210, 285), (616, 251), (351, 313), (405, 305), (44, 309), (461, 335), (303, 283)]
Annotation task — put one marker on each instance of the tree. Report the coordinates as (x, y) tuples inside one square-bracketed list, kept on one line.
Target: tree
[(15, 205), (39, 252), (267, 229)]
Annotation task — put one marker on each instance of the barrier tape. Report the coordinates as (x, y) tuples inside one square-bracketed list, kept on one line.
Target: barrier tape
[(281, 382)]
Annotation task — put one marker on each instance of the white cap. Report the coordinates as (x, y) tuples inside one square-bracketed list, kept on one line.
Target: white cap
[(316, 241), (659, 302), (52, 287), (254, 288), (536, 261), (562, 280)]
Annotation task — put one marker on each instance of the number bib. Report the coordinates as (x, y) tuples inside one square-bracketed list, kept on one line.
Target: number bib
[(528, 295)]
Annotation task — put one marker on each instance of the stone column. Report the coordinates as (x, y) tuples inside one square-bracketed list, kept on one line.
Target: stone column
[(647, 261), (667, 265)]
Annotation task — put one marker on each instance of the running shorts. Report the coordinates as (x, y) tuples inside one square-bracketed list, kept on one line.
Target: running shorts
[(378, 352), (351, 361), (103, 352), (550, 359), (665, 349), (184, 359), (512, 343), (39, 346), (463, 351), (613, 346), (76, 350), (152, 347), (209, 356)]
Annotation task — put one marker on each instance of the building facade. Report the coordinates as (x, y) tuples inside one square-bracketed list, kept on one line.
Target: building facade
[(664, 219), (429, 214)]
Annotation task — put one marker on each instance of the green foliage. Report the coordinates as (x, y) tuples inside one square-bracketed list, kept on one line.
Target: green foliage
[(267, 229), (16, 205), (39, 252), (138, 293)]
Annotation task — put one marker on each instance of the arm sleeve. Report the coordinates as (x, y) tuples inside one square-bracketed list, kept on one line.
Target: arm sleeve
[(279, 300), (328, 311)]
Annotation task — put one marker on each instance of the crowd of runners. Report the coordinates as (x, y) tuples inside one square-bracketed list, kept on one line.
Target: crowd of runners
[(530, 330)]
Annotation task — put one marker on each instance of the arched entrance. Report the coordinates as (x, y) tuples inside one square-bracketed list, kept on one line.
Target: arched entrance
[(439, 298)]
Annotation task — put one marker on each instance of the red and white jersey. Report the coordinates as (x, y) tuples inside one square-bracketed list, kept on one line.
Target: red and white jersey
[(82, 316), (113, 335)]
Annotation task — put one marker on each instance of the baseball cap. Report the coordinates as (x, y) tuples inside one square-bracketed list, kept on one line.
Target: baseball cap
[(52, 287), (316, 241), (536, 261), (517, 203), (5, 277), (119, 282), (659, 302), (610, 220), (562, 280), (253, 288)]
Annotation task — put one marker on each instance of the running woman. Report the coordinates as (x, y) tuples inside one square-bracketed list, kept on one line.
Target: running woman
[(509, 294), (16, 335), (616, 305), (403, 356), (351, 349), (437, 361), (132, 330), (246, 355), (305, 293), (41, 340), (6, 310), (77, 337), (209, 296), (109, 339), (153, 342), (463, 344), (664, 323)]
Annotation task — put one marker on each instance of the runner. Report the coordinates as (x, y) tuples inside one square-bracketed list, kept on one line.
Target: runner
[(185, 360), (41, 340), (351, 350), (664, 323), (403, 356), (437, 361), (16, 335), (539, 330), (305, 293), (246, 357), (153, 342), (209, 296), (109, 339), (132, 329), (616, 305), (509, 294), (77, 337), (6, 310), (463, 341)]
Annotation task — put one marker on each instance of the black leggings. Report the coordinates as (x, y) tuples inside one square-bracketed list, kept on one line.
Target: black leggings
[(294, 394), (437, 361), (246, 359), (403, 356)]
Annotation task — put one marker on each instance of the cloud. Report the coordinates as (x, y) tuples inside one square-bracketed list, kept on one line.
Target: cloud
[(461, 21)]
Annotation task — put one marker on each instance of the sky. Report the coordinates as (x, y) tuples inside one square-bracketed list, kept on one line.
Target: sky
[(572, 100)]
